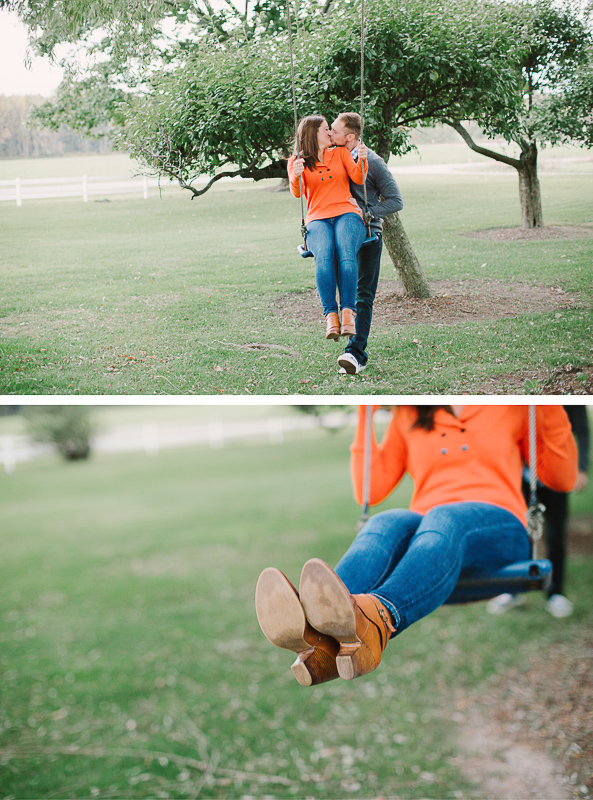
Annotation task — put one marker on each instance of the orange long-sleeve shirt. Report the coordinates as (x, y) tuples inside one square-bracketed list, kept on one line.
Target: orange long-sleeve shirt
[(326, 188), (477, 456)]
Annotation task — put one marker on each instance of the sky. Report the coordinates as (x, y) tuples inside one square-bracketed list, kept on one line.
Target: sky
[(43, 77)]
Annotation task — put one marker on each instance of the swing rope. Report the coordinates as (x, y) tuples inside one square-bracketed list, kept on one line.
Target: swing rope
[(367, 214), (366, 484), (296, 119), (535, 512)]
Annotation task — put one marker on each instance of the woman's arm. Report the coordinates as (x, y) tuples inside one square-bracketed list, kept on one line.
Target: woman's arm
[(388, 459), (354, 168), (557, 457)]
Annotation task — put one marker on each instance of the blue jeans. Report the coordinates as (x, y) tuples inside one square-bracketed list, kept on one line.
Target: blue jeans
[(336, 240), (412, 562), (369, 264)]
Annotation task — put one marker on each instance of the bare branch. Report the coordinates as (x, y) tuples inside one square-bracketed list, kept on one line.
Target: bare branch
[(484, 151)]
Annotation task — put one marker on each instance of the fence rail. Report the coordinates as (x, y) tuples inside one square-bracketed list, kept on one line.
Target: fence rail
[(83, 186), (151, 438)]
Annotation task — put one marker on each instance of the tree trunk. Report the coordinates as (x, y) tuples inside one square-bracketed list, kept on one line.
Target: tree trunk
[(529, 188), (396, 239), (283, 186), (403, 257), (526, 165)]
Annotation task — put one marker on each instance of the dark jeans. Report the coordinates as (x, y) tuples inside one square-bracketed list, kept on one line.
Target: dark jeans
[(369, 264), (555, 517)]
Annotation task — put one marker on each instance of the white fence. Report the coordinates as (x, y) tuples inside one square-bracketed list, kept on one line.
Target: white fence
[(151, 438), (83, 186)]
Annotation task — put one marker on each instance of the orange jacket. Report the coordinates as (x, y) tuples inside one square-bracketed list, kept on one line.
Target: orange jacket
[(478, 456), (326, 188)]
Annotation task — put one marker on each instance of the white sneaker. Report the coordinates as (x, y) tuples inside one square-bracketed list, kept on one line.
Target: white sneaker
[(503, 602), (559, 606), (349, 364)]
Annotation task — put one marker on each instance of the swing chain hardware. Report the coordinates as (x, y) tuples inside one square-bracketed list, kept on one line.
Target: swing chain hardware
[(535, 525)]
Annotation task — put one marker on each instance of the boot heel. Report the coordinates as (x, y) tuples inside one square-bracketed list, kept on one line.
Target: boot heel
[(314, 666), (355, 660)]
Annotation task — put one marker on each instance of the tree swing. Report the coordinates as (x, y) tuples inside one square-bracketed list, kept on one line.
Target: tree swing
[(521, 576), (370, 237)]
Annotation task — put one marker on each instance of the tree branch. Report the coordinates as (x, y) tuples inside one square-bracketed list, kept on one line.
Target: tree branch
[(484, 151), (277, 169)]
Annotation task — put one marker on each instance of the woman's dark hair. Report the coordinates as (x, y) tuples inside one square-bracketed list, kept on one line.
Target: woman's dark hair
[(305, 142), (426, 414)]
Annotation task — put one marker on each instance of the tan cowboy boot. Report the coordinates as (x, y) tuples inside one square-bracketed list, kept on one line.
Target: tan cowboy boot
[(360, 623), (283, 622), (332, 326), (348, 324)]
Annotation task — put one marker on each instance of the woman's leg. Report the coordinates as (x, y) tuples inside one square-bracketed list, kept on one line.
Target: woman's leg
[(321, 241), (452, 539), (377, 550), (350, 234)]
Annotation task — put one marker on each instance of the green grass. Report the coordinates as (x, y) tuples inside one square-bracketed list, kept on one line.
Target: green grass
[(169, 296), (132, 663)]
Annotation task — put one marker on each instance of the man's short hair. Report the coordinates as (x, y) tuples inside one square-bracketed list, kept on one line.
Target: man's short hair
[(352, 122)]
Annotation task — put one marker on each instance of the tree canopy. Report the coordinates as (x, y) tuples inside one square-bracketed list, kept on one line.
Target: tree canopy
[(554, 96), (232, 107)]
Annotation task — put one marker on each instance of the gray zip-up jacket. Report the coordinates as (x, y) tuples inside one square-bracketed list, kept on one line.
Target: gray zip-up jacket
[(383, 194)]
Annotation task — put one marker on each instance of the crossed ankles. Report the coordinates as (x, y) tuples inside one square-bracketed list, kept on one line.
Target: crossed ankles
[(335, 634)]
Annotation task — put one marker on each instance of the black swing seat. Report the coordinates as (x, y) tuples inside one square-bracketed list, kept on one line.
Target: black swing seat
[(308, 254), (522, 576)]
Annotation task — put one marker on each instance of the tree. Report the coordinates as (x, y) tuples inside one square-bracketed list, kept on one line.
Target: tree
[(228, 112), (69, 428), (219, 103), (555, 97)]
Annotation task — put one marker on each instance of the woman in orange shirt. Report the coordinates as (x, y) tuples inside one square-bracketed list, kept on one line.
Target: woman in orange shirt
[(467, 517), (335, 227)]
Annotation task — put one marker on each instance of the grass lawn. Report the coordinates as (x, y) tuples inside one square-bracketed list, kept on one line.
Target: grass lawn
[(132, 663), (171, 296)]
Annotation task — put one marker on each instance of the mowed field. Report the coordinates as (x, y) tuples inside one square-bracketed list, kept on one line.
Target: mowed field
[(167, 295)]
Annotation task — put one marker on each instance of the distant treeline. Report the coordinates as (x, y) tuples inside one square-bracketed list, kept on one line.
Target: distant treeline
[(18, 139)]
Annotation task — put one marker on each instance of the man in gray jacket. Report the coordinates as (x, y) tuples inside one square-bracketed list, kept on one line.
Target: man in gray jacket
[(384, 198)]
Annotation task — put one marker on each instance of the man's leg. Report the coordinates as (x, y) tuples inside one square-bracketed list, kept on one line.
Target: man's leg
[(369, 264)]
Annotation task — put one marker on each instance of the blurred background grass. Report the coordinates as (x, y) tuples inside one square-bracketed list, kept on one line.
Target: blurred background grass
[(132, 662)]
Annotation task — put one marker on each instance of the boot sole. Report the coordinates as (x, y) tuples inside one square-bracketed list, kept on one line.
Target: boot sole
[(283, 623), (327, 602), (279, 611), (328, 606)]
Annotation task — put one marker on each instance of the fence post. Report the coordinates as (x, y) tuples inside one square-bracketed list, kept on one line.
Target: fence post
[(145, 187), (85, 188), (19, 195)]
